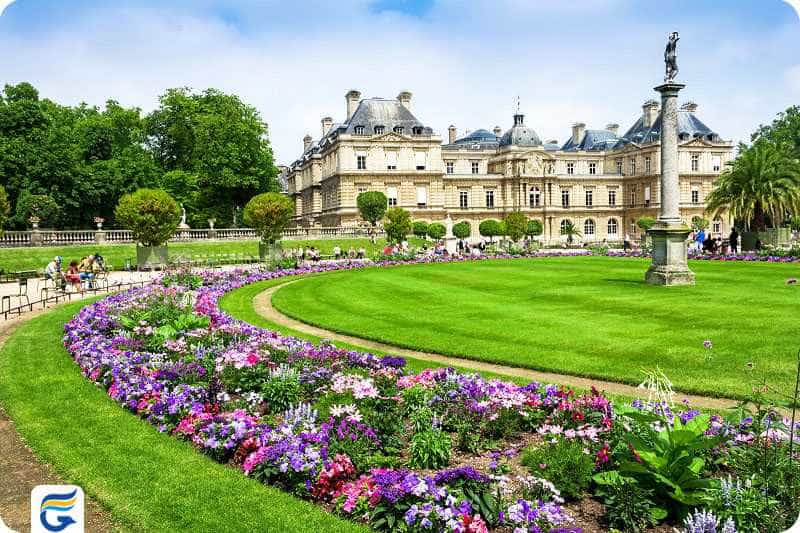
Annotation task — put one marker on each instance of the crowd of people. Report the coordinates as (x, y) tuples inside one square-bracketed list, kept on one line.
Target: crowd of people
[(79, 275)]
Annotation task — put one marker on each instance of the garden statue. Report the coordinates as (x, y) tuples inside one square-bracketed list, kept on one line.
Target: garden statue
[(671, 58), (183, 224)]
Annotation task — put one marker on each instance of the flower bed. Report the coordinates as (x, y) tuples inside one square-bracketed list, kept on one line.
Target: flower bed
[(433, 451), (715, 257)]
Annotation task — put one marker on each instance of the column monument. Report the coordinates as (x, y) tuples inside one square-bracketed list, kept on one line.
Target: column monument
[(669, 234)]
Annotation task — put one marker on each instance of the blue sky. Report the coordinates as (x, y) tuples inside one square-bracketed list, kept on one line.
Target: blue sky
[(594, 61)]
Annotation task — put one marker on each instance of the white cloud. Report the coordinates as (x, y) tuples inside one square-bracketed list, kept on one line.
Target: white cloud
[(4, 4)]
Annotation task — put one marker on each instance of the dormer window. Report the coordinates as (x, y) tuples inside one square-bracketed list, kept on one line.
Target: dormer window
[(358, 130), (416, 130), (398, 129), (379, 130)]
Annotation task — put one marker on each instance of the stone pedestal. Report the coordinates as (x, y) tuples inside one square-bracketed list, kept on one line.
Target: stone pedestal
[(99, 237), (669, 265), (451, 245), (669, 235), (36, 237)]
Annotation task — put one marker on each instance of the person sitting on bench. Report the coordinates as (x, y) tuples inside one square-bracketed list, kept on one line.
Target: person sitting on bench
[(53, 272)]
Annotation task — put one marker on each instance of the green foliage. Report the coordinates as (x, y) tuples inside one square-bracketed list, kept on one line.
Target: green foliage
[(516, 224), (462, 230), (397, 225), (699, 223), (628, 506), (570, 230), (759, 186), (490, 228), (268, 214), (414, 399), (281, 389), (645, 223), (564, 464), (41, 206), (5, 208), (671, 462), (436, 231), (184, 278), (534, 228), (372, 206), (784, 130), (747, 504), (430, 449), (419, 228), (151, 214), (185, 188)]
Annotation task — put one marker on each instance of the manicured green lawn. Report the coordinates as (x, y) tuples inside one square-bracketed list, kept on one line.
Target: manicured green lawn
[(36, 258), (587, 316), (149, 481)]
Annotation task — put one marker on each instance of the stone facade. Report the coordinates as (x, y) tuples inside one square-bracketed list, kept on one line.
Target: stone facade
[(599, 180)]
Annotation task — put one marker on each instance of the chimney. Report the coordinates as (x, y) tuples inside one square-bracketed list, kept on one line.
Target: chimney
[(405, 99), (352, 98), (613, 128), (306, 143), (649, 113), (327, 122), (497, 131), (689, 106), (451, 134), (577, 132)]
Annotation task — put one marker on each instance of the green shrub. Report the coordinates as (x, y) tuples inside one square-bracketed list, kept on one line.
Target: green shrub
[(420, 228), (628, 506), (397, 225), (430, 449), (462, 230), (563, 463), (746, 503), (436, 231), (415, 398), (372, 206), (268, 214), (699, 223), (281, 389), (421, 419), (490, 228), (645, 223), (516, 224), (151, 215), (534, 228)]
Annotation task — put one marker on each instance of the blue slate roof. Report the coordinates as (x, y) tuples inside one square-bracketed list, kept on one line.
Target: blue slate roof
[(520, 134), (689, 127), (593, 140), (373, 112), (480, 139)]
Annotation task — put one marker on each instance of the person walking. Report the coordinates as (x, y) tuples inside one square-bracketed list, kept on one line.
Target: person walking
[(626, 243), (733, 240), (700, 238)]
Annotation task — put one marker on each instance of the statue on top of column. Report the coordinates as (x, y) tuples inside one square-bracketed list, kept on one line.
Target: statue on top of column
[(671, 57)]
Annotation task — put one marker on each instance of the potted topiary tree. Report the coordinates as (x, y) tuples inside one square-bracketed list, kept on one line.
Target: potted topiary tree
[(516, 224), (372, 207), (490, 228), (268, 214), (436, 231), (152, 216), (462, 230), (534, 228), (420, 229), (397, 225)]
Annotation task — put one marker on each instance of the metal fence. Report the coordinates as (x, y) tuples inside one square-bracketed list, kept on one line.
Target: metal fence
[(116, 236)]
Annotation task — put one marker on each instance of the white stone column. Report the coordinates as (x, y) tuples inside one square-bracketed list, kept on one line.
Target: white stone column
[(670, 186)]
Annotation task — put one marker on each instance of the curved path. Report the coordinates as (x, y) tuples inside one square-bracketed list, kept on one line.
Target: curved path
[(262, 303), (20, 470)]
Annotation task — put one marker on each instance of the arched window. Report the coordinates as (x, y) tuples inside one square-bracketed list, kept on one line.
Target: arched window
[(534, 197), (588, 227), (564, 223), (613, 226)]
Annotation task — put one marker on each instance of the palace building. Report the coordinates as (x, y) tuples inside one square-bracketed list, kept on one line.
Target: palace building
[(600, 180)]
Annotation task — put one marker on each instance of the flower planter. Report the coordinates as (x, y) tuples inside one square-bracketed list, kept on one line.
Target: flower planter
[(151, 257)]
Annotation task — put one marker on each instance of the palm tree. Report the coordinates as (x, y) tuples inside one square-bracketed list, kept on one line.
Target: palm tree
[(570, 230), (762, 184)]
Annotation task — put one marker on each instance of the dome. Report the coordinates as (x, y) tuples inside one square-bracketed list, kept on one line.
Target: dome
[(520, 135), (479, 135)]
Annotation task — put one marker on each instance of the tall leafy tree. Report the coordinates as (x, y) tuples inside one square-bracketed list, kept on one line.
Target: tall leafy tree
[(515, 224), (784, 130), (219, 139), (759, 187)]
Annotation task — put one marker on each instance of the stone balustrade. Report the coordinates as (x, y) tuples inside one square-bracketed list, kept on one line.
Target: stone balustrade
[(117, 236)]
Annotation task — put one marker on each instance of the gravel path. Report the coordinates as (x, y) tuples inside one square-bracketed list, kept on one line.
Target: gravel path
[(263, 306)]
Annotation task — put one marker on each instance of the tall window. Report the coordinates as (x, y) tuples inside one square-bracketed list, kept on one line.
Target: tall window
[(633, 227), (633, 197), (570, 167), (633, 166), (391, 160), (589, 197), (619, 166), (695, 195), (422, 196), (564, 197), (379, 130), (358, 130), (588, 227), (361, 161), (612, 197), (534, 197), (592, 168), (716, 162), (716, 226), (647, 196), (475, 167), (647, 165), (449, 166), (391, 195), (695, 162), (489, 198), (419, 158), (463, 199), (613, 227)]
